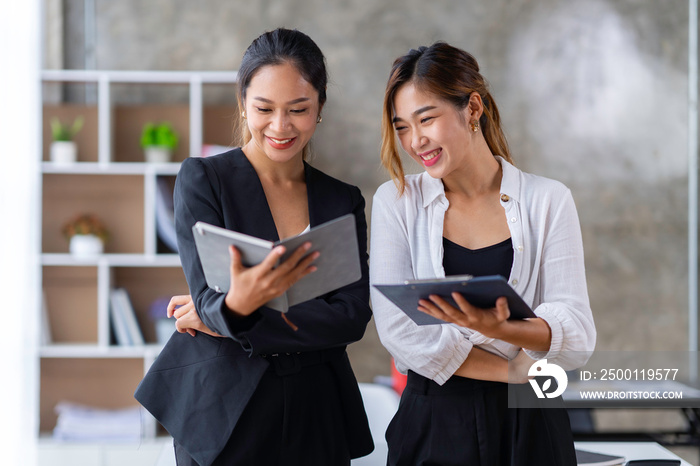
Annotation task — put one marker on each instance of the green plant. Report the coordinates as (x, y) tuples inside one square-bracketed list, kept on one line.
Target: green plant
[(61, 132), (159, 135), (85, 224)]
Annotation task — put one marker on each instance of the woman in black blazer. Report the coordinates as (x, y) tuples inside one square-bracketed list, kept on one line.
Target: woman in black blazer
[(271, 391)]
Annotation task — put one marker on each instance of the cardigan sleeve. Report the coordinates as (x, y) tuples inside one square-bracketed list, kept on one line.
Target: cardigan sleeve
[(433, 351), (562, 289)]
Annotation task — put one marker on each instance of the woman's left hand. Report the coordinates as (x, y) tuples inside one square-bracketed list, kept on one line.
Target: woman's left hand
[(489, 322), (187, 318)]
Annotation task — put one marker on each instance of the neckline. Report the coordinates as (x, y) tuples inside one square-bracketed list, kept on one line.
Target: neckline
[(258, 184), (452, 244)]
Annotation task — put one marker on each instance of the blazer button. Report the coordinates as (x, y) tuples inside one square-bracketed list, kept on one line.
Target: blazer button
[(505, 198)]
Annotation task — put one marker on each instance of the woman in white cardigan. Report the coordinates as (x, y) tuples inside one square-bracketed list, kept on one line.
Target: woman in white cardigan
[(472, 212)]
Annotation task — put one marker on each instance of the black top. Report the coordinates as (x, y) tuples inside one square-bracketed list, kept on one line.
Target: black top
[(496, 259)]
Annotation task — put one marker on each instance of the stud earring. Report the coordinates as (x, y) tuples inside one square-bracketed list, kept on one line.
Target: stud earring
[(243, 114), (475, 126), (319, 119)]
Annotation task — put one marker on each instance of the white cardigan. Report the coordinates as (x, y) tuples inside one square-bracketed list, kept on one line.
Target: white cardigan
[(548, 271)]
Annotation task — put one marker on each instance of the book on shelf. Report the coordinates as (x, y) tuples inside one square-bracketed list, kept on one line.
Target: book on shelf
[(126, 328)]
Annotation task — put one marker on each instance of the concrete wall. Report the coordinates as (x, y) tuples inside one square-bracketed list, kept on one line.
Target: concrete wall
[(592, 92)]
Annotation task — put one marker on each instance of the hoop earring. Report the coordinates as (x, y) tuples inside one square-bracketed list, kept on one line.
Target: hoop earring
[(474, 126), (319, 119), (243, 115)]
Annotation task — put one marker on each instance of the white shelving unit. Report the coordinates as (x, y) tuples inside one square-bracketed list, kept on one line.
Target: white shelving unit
[(104, 79), (123, 192)]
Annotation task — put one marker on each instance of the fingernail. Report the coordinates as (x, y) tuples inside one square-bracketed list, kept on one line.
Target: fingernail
[(313, 269)]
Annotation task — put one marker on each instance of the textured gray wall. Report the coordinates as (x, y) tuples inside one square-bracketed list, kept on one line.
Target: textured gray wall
[(592, 92)]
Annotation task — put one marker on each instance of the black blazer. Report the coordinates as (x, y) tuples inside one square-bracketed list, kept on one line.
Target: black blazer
[(198, 387)]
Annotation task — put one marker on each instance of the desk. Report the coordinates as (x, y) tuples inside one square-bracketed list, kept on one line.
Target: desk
[(689, 406), (631, 450)]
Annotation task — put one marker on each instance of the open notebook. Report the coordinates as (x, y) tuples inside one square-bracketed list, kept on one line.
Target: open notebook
[(338, 265)]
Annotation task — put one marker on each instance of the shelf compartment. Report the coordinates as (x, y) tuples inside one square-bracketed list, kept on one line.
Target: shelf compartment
[(71, 297), (117, 200), (107, 383), (220, 114), (146, 285), (86, 139), (165, 237), (220, 125), (129, 121)]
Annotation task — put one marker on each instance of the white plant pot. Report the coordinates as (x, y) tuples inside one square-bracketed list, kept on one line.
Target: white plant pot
[(158, 154), (64, 152), (86, 245)]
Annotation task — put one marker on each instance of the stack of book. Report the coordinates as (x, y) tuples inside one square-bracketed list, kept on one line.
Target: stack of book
[(78, 423)]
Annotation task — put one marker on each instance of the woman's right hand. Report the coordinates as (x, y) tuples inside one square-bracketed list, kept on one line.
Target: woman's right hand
[(251, 287)]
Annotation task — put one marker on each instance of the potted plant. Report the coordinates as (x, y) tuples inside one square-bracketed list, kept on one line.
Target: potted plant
[(63, 148), (87, 235), (158, 142)]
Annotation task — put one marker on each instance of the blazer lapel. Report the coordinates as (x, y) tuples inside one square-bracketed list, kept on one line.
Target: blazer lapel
[(314, 209), (250, 212), (325, 202)]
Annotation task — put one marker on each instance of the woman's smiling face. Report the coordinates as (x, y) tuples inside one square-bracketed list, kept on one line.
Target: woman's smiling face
[(431, 130), (281, 111)]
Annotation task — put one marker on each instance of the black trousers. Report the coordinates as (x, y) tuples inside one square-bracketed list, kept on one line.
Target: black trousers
[(292, 419), (468, 422)]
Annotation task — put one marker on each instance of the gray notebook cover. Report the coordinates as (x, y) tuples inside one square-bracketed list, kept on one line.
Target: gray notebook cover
[(479, 291), (338, 265)]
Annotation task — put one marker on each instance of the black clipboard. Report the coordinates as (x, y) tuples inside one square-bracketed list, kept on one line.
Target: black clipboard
[(479, 291)]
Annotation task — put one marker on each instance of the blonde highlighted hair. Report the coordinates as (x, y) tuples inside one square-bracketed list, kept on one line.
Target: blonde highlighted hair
[(450, 74)]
